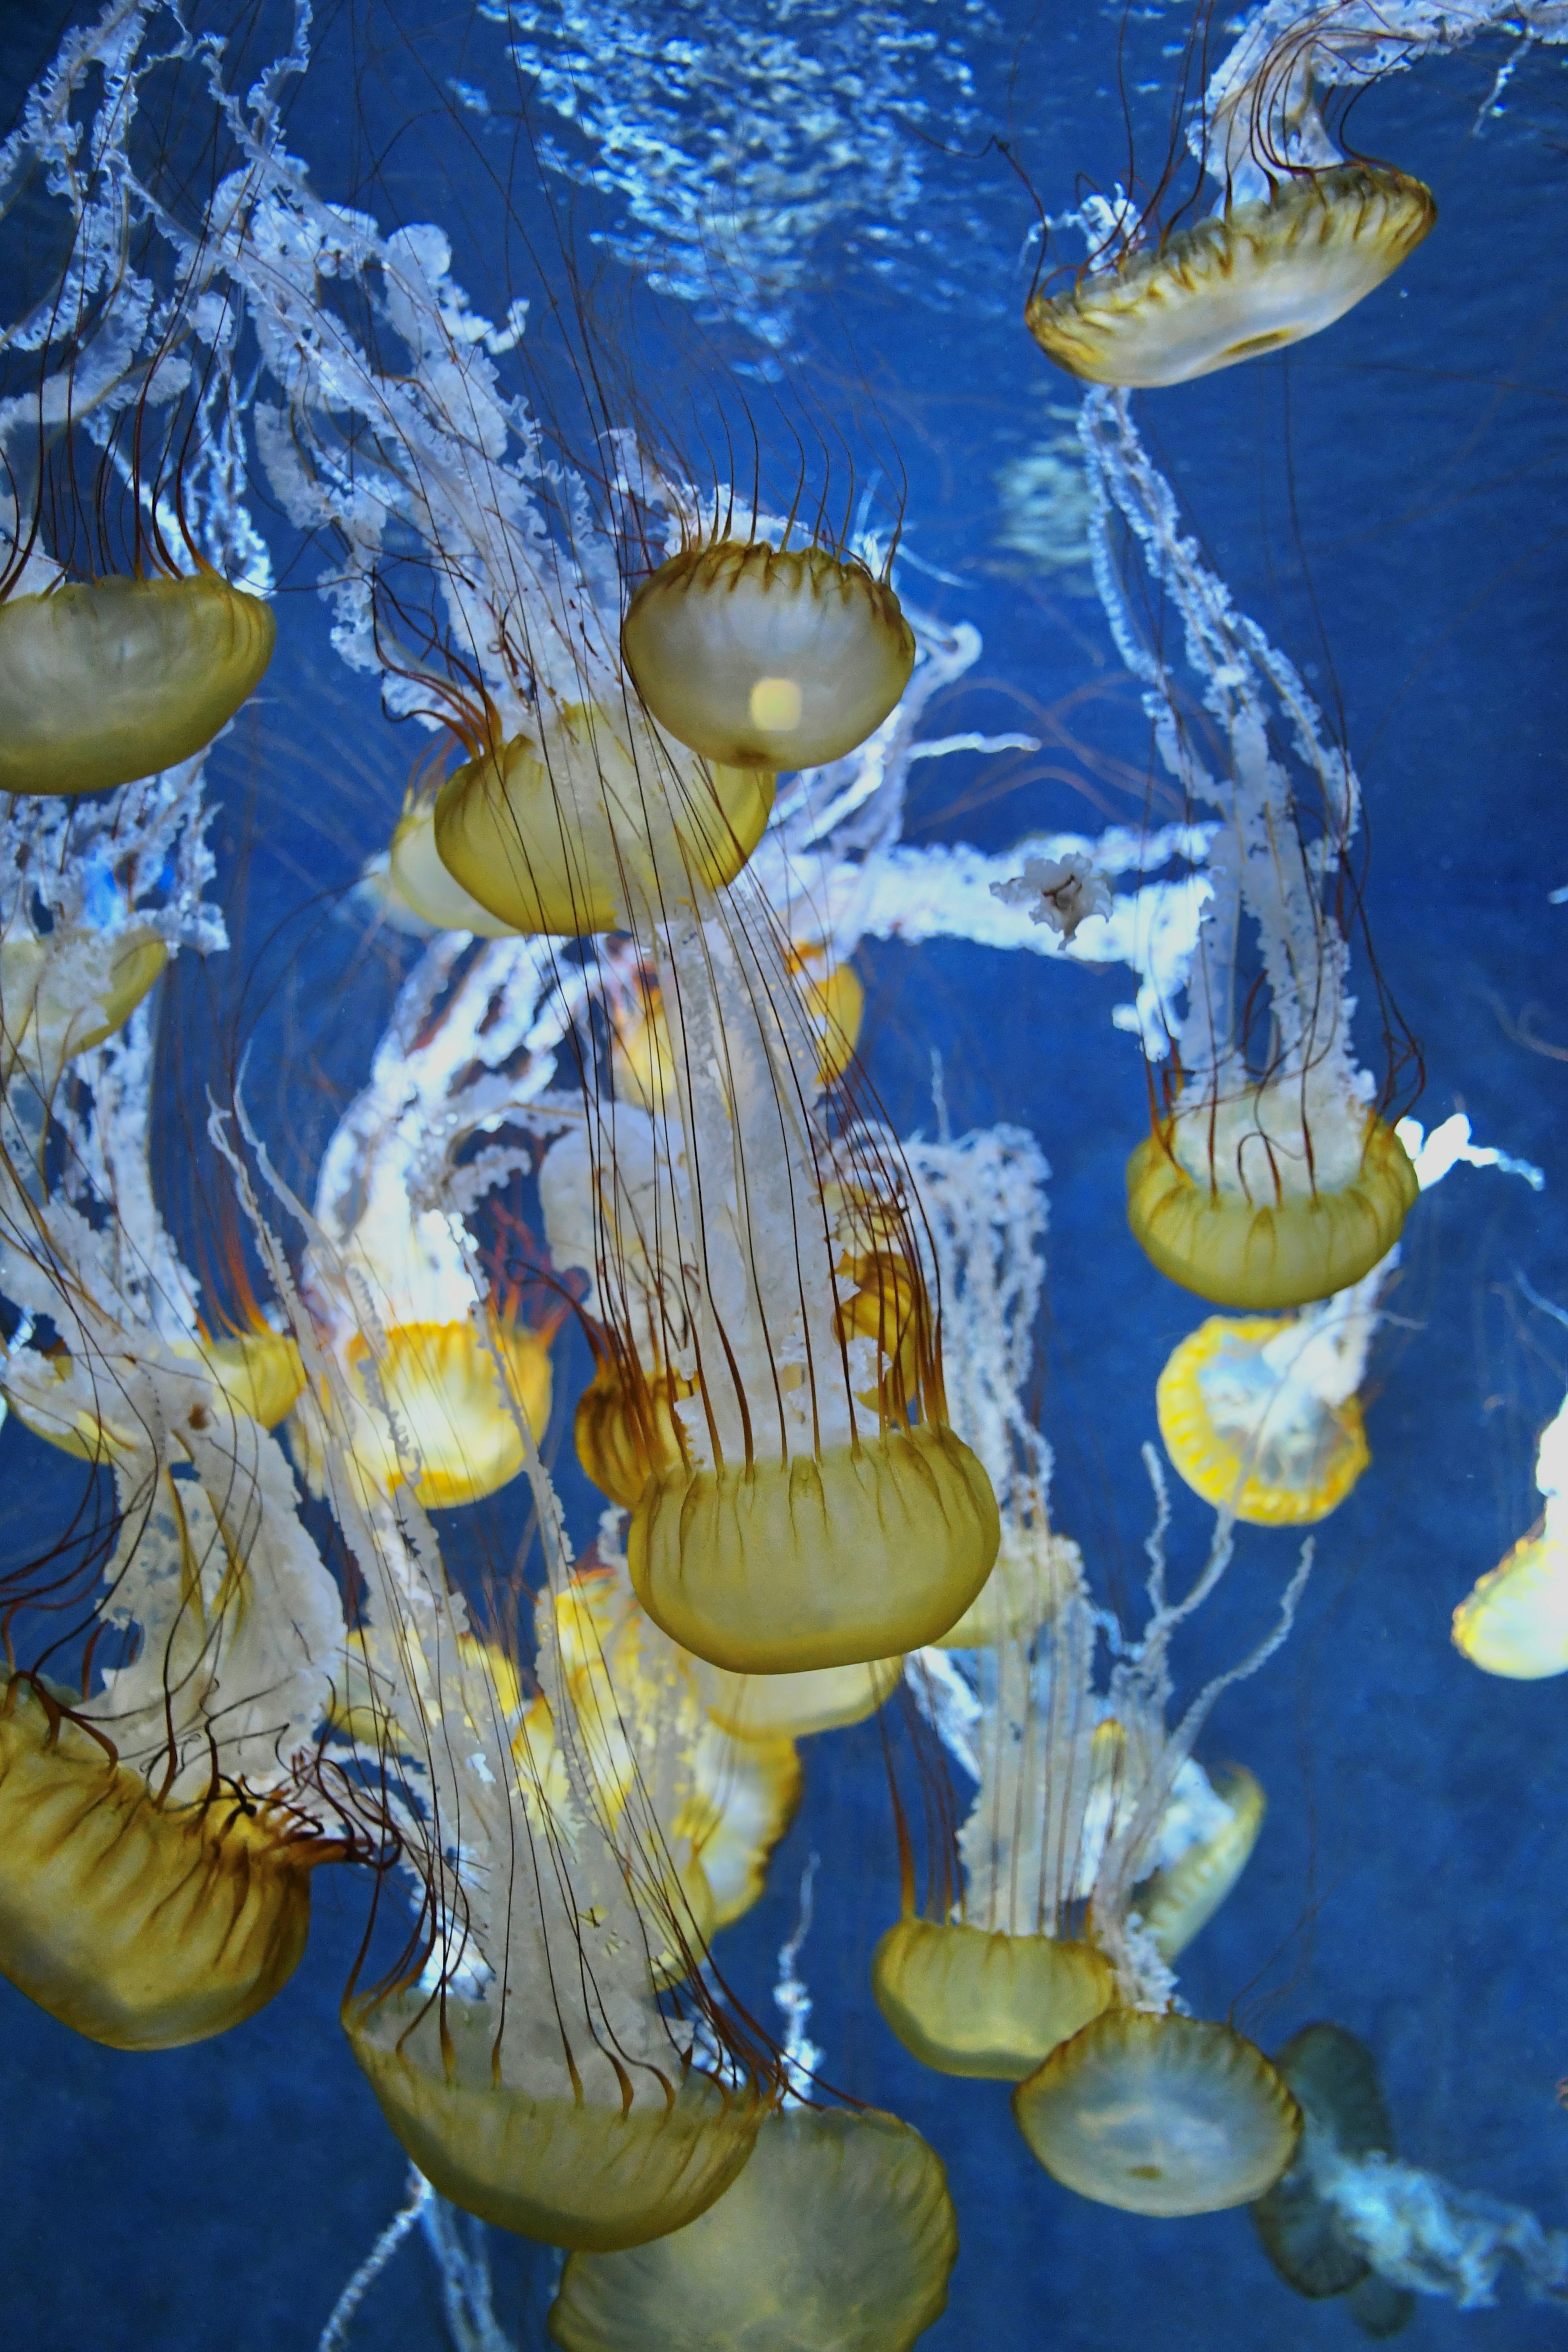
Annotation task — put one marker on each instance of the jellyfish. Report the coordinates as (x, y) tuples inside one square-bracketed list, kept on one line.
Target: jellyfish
[(838, 2237), (163, 1822), (104, 681), (1333, 2077), (1515, 1620), (1160, 2115), (1270, 1177), (761, 1286), (109, 444), (1298, 237), (767, 658), (583, 824)]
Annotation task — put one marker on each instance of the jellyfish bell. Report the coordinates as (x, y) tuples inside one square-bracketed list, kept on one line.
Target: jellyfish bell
[(794, 1707), (1333, 2077), (624, 1426), (888, 1540), (1181, 1898), (839, 2236), (65, 992), (1164, 2115), (436, 1406), (107, 680), (140, 1924), (1261, 1201), (1514, 1622), (428, 887), (1251, 278), (579, 825), (1245, 1437), (589, 2173), (767, 659), (966, 2000)]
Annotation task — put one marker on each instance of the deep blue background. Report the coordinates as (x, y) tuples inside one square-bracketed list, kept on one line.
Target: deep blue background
[(1410, 1880)]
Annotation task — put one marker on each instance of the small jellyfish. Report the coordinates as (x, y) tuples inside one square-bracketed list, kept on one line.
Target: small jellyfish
[(745, 1795), (65, 992), (1515, 1622), (1160, 2115), (590, 821), (1181, 1898), (838, 2236), (1261, 1203), (1333, 2077), (1251, 278), (452, 1395), (1270, 1177), (969, 2001), (765, 659), (1246, 1421), (103, 681)]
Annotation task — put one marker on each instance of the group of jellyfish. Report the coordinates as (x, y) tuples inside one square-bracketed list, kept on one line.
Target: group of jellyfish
[(805, 1418)]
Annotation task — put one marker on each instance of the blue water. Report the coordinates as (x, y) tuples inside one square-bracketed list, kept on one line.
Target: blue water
[(1389, 503)]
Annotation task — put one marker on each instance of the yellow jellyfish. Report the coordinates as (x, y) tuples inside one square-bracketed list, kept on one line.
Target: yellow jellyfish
[(550, 2092), (970, 2001), (1160, 2115), (1249, 1204), (792, 1706), (763, 659), (140, 1924), (886, 1541), (1515, 1622), (65, 992), (761, 1282), (1248, 1429), (436, 1409), (744, 1796), (1251, 278), (590, 821), (574, 2171), (159, 1825), (427, 885), (106, 680), (259, 1372), (839, 2236), (1178, 1902)]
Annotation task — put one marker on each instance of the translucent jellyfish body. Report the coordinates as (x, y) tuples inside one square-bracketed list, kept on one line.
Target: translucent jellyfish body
[(1250, 279), (1334, 2079), (139, 1925), (428, 887), (966, 2001), (581, 829), (64, 993), (1244, 1435), (1163, 2115), (838, 2237), (259, 1372), (887, 1543), (585, 2172), (1251, 1204), (112, 679), (766, 660), (792, 1706), (623, 1429), (451, 1396), (1181, 1899), (1515, 1622)]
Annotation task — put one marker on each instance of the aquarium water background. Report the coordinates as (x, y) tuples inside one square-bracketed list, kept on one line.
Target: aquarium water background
[(1389, 502)]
